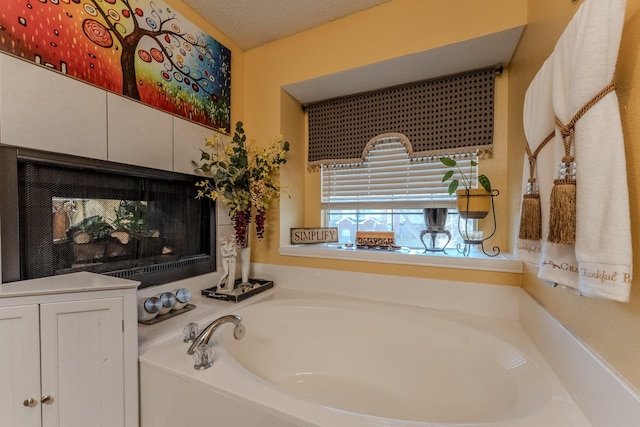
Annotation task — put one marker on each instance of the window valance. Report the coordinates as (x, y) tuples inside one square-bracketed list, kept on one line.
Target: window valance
[(449, 115)]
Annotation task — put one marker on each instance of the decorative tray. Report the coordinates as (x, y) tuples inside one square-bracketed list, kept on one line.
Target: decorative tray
[(240, 291), (169, 315)]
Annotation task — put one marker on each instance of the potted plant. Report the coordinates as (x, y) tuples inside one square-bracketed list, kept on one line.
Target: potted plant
[(243, 178), (473, 203)]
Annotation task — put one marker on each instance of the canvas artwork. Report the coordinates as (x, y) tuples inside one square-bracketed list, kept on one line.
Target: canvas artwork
[(141, 49)]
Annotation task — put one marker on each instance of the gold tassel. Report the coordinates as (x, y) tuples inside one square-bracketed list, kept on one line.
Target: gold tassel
[(562, 212), (530, 221), (531, 218)]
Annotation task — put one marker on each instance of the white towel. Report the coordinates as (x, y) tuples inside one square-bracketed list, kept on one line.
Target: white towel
[(539, 122), (584, 60)]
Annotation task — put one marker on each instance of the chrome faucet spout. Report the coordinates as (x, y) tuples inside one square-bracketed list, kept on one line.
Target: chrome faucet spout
[(207, 333)]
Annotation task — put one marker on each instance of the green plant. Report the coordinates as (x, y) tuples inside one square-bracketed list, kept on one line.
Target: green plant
[(466, 180)]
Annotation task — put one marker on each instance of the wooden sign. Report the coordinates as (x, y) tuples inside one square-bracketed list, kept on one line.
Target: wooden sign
[(314, 235)]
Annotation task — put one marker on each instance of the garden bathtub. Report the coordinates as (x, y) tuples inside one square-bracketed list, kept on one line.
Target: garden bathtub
[(318, 360)]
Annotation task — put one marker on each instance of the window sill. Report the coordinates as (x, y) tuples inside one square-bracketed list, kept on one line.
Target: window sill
[(452, 259)]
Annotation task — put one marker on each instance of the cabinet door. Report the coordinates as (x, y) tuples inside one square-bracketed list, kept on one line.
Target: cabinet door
[(19, 366), (82, 363), (188, 139), (138, 134), (45, 110)]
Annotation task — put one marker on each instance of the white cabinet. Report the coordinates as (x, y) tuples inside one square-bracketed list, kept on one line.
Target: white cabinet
[(46, 110), (49, 111), (66, 358), (188, 139), (139, 135), (19, 365)]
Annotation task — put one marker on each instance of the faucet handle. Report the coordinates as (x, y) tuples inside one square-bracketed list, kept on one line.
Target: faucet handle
[(190, 332), (203, 357), (238, 331)]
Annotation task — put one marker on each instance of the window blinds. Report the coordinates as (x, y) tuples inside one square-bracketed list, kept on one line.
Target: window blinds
[(389, 179), (445, 116)]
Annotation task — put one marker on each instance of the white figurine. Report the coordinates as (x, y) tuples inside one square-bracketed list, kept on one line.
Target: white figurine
[(228, 252)]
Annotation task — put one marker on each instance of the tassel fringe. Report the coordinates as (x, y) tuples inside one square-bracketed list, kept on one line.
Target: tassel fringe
[(562, 215), (530, 221)]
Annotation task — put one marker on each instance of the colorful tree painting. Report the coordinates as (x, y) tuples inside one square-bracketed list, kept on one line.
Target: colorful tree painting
[(141, 49)]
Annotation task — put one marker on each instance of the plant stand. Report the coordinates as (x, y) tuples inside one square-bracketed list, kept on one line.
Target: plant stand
[(436, 220), (434, 234), (468, 242)]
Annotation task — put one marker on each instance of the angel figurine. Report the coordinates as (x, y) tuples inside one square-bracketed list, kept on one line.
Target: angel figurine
[(228, 253)]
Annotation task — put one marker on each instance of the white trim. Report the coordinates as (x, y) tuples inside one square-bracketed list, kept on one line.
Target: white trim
[(504, 263), (606, 399)]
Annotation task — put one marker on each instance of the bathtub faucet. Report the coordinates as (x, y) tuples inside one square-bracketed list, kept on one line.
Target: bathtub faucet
[(205, 335)]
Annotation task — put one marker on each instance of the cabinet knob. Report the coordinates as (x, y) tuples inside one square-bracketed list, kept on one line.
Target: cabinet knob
[(46, 399), (30, 402)]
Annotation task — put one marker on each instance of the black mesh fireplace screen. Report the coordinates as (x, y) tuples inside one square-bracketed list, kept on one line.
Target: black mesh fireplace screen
[(112, 219)]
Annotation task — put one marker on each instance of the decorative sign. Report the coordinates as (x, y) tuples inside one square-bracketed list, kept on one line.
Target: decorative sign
[(314, 235), (143, 50), (375, 238)]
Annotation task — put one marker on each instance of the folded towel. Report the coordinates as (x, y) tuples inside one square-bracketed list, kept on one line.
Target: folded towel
[(584, 59), (539, 122)]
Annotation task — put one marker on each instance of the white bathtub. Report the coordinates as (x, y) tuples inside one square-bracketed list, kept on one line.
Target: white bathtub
[(309, 359)]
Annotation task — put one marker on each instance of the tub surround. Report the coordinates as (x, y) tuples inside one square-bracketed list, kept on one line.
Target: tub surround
[(606, 398), (459, 297)]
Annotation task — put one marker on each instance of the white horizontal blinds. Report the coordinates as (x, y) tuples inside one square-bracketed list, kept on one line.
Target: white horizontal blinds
[(387, 179)]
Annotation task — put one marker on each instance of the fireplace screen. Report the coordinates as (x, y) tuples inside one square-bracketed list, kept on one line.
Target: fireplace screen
[(146, 225)]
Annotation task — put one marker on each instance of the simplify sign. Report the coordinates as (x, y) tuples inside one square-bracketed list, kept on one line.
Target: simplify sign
[(314, 235)]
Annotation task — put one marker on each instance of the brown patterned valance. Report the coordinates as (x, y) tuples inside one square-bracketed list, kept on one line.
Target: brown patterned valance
[(448, 115)]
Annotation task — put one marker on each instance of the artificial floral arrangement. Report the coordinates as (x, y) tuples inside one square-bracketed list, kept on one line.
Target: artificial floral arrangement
[(242, 177)]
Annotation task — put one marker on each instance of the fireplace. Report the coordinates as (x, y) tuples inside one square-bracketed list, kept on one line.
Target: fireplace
[(61, 214)]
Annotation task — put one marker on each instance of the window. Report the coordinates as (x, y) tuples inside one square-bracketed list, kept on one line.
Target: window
[(387, 192)]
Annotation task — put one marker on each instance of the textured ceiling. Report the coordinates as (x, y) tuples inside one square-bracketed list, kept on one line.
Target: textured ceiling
[(251, 23)]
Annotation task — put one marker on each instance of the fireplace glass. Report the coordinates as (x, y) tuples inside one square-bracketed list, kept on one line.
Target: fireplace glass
[(113, 219)]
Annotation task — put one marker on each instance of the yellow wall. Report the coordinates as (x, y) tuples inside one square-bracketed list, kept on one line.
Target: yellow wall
[(611, 329), (391, 30)]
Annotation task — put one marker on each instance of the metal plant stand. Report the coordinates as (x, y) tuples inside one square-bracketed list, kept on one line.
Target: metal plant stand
[(465, 247), (434, 234), (436, 220)]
